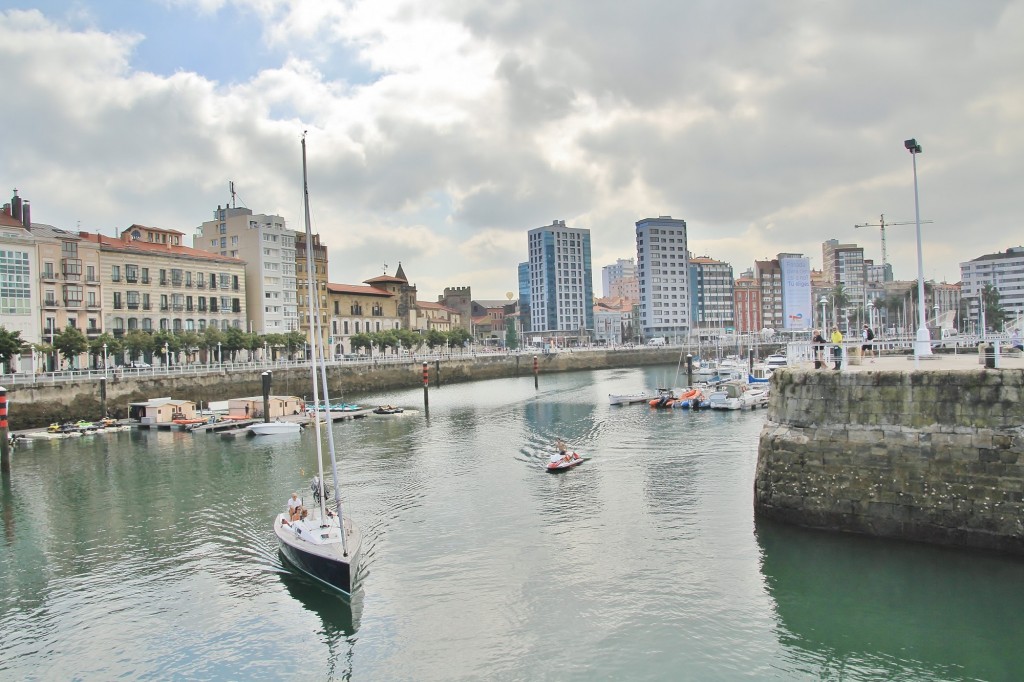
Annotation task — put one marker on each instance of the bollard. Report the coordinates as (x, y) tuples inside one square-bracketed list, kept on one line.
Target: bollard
[(5, 445), (437, 373), (426, 383), (536, 372), (689, 369), (103, 396), (990, 356), (266, 376)]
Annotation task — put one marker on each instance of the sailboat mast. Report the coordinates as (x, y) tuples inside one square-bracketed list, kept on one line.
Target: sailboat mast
[(312, 348), (316, 350)]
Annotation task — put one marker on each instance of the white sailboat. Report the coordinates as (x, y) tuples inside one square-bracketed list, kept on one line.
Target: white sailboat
[(326, 545)]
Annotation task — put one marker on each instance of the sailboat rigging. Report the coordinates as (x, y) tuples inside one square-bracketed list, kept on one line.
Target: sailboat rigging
[(325, 545)]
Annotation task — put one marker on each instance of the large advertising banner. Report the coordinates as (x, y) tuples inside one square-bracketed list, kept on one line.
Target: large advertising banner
[(797, 310)]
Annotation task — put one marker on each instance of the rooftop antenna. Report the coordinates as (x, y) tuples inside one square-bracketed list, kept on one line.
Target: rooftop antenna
[(231, 188), (881, 224), (385, 268)]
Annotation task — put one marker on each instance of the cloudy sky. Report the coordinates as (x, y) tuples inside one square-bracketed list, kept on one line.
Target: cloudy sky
[(440, 131)]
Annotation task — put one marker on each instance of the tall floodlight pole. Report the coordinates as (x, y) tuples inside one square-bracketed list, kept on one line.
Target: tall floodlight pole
[(923, 345)]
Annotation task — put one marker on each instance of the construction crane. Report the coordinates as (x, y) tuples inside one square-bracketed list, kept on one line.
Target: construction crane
[(882, 225)]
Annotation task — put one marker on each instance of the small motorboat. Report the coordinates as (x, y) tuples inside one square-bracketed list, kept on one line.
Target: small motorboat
[(570, 460), (188, 422), (273, 428), (629, 398), (388, 409)]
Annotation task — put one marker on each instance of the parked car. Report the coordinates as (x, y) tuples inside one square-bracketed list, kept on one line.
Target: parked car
[(139, 364)]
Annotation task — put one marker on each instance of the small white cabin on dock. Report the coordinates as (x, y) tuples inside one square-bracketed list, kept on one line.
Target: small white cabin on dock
[(252, 407), (161, 410)]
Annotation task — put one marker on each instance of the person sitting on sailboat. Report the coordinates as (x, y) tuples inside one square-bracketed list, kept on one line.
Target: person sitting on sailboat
[(293, 503)]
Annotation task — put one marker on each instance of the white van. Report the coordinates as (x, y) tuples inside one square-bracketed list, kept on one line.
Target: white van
[(656, 341)]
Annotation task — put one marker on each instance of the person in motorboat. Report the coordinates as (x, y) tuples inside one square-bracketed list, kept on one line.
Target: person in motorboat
[(561, 453)]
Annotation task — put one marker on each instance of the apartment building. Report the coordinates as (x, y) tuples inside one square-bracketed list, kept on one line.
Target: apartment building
[(72, 293), (768, 274), (428, 315), (711, 294), (151, 281), (358, 309), (19, 282), (612, 275), (320, 266), (844, 264), (747, 303), (523, 271), (561, 281), (662, 271), (267, 248), (1005, 272)]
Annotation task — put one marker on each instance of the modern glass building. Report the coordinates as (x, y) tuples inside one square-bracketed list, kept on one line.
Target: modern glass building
[(561, 290), (662, 271)]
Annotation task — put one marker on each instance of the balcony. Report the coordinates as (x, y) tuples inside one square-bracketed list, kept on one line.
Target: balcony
[(178, 307), (131, 279), (145, 279), (48, 276), (147, 306), (176, 282), (93, 306), (133, 306), (117, 306), (164, 307), (164, 281), (200, 284), (50, 303)]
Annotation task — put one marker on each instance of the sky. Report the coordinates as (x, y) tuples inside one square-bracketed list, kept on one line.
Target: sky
[(440, 131)]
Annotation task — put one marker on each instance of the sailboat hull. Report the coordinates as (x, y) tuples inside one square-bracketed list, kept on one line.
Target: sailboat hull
[(326, 563)]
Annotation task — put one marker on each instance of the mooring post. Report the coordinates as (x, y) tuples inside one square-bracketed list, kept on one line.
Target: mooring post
[(266, 376), (5, 443), (536, 372), (750, 360), (103, 396), (437, 372), (426, 384), (689, 369)]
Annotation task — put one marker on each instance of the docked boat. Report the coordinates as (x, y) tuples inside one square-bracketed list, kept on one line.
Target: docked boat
[(777, 360), (388, 409), (669, 397), (326, 544), (736, 395), (629, 398), (274, 428), (568, 461)]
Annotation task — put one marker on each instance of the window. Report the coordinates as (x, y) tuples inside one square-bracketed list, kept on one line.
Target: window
[(115, 272)]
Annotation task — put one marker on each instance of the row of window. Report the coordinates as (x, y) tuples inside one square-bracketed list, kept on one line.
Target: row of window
[(133, 274), (133, 300), (177, 325)]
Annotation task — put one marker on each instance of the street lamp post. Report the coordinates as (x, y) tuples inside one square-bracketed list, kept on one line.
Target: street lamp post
[(167, 354), (823, 301), (104, 359), (923, 344), (871, 314), (220, 358)]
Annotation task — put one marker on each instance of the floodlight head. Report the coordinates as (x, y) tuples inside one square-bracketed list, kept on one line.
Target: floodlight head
[(912, 146)]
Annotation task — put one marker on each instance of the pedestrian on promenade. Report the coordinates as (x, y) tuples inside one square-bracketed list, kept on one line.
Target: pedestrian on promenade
[(867, 348), (837, 340), (819, 349)]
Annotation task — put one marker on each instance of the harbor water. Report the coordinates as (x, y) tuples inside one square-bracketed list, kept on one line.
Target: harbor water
[(149, 555)]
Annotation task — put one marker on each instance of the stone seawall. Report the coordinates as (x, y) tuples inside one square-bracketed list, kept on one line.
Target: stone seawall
[(42, 404), (936, 456)]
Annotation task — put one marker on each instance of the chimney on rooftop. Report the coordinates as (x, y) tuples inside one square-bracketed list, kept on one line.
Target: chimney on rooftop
[(16, 205), (26, 213)]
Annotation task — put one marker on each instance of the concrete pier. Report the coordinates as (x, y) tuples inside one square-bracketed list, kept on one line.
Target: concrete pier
[(934, 454)]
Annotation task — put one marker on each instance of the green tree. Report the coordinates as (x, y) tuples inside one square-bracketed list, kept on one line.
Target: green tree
[(458, 337), (212, 336), (190, 342), (995, 316), (10, 347), (71, 343), (360, 340), (293, 341), (511, 338), (409, 339), (138, 343), (114, 348), (275, 342), (235, 340), (435, 338)]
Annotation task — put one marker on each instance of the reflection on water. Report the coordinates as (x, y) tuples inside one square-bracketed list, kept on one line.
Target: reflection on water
[(149, 555), (862, 608)]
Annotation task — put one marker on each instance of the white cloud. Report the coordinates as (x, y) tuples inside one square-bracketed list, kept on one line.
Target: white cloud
[(767, 128)]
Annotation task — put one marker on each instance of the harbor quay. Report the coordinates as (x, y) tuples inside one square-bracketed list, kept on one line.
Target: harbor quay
[(929, 450), (35, 405)]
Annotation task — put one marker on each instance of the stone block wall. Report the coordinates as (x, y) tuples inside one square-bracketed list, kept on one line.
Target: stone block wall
[(936, 456)]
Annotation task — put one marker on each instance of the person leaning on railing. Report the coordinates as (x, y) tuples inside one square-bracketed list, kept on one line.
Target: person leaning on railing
[(837, 350)]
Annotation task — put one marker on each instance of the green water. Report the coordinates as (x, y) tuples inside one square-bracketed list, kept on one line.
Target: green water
[(149, 555)]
